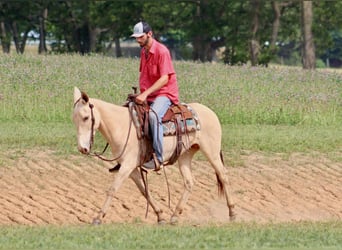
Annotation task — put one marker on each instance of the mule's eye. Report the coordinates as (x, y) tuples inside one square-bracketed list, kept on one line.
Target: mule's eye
[(86, 118)]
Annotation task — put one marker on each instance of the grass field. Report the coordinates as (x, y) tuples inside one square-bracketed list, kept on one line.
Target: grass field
[(137, 236), (261, 109), (268, 110), (40, 89)]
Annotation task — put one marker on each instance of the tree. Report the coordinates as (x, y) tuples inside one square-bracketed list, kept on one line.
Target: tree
[(5, 37), (278, 8), (41, 7), (114, 21), (17, 22), (237, 33), (309, 56), (199, 22), (327, 29), (42, 32), (18, 18), (70, 22), (206, 30), (86, 26), (254, 44), (248, 30)]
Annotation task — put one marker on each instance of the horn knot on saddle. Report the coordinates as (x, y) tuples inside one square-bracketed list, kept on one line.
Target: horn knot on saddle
[(178, 120)]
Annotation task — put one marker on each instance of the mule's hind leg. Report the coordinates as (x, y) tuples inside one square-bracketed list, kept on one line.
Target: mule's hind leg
[(217, 162), (184, 162), (137, 178)]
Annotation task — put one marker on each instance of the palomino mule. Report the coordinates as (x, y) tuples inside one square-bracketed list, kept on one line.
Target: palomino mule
[(115, 125)]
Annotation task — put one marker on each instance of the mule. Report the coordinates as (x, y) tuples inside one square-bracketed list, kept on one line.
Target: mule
[(115, 125)]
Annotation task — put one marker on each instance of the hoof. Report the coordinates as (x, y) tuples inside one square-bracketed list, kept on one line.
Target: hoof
[(96, 221), (161, 222), (174, 220), (232, 216)]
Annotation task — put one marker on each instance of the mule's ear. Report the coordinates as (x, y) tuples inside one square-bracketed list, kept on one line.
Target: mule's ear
[(77, 94), (85, 97)]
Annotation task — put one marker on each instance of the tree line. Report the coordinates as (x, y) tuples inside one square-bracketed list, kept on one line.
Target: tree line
[(256, 31)]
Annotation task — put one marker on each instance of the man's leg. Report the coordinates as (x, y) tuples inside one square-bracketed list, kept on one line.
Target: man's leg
[(157, 112)]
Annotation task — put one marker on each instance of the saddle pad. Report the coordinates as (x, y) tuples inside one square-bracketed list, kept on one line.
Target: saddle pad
[(191, 123), (169, 128)]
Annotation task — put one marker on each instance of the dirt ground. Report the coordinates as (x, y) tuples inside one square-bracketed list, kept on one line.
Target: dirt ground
[(39, 188)]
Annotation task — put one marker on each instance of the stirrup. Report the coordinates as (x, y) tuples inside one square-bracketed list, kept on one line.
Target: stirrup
[(153, 164)]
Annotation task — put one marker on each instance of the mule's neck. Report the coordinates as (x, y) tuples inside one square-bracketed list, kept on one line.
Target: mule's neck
[(114, 121)]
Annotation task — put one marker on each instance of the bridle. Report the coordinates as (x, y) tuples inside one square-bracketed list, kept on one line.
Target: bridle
[(91, 106), (91, 141)]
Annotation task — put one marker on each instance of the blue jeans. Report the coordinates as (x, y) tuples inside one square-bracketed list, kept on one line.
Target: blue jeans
[(157, 112)]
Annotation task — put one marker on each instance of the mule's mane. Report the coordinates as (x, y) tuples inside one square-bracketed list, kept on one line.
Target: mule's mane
[(103, 105)]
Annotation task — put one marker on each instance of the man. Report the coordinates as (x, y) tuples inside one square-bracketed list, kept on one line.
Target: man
[(158, 86)]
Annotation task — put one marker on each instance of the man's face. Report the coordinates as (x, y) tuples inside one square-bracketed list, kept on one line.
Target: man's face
[(144, 39)]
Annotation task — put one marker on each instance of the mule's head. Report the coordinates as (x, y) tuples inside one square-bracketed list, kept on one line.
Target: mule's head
[(86, 119)]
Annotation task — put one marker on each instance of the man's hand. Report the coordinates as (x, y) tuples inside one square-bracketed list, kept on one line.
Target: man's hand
[(141, 98)]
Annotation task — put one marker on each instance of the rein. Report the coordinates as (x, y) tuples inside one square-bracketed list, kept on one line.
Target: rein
[(91, 106)]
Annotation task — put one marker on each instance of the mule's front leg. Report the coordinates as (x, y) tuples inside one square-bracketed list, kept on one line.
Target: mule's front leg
[(137, 178), (121, 176), (110, 194)]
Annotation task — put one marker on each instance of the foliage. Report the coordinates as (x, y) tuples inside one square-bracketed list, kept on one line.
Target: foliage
[(91, 26), (334, 53)]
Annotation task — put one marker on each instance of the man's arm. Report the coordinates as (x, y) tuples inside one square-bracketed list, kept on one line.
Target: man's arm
[(156, 86)]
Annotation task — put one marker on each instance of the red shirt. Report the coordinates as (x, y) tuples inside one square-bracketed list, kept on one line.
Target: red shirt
[(152, 66)]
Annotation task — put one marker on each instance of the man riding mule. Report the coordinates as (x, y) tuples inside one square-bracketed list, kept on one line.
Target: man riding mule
[(158, 91), (158, 86), (114, 122)]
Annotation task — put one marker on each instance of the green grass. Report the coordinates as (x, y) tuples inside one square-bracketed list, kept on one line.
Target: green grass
[(237, 139), (39, 88), (303, 235), (261, 109)]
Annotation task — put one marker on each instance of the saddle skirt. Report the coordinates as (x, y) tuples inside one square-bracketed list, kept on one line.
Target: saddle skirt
[(187, 121)]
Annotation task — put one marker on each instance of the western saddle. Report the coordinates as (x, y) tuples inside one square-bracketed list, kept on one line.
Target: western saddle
[(179, 120)]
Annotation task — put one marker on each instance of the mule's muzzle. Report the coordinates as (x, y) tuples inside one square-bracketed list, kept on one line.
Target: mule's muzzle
[(84, 150)]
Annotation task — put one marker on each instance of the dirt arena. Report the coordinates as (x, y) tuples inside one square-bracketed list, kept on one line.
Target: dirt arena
[(39, 188)]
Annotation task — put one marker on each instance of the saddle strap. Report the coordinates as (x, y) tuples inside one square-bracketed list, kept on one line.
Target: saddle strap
[(140, 118), (179, 144)]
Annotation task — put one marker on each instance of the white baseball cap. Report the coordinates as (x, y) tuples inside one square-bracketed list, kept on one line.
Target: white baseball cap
[(140, 29)]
